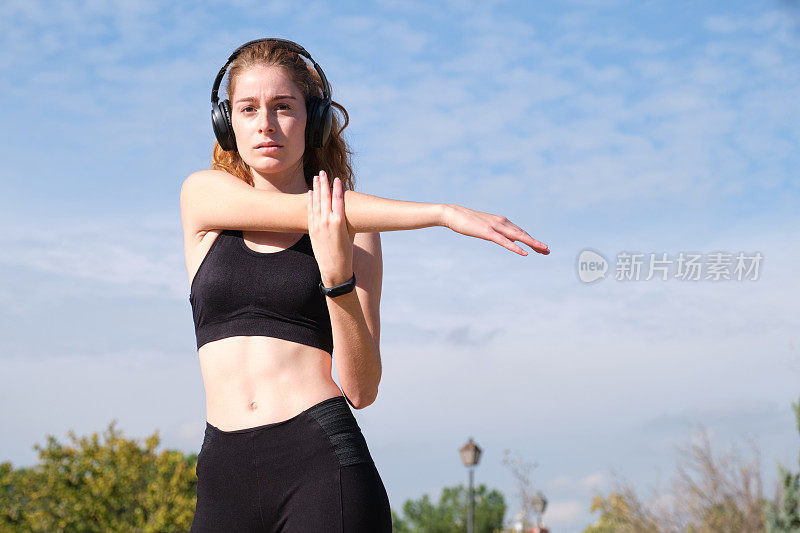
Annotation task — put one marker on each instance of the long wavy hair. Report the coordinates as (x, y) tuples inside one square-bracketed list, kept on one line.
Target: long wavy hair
[(334, 158)]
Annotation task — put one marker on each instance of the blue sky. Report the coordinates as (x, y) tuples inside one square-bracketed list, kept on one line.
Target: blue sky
[(649, 127)]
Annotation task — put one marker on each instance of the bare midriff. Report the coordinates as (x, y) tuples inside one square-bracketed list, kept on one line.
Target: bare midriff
[(250, 381), (254, 380)]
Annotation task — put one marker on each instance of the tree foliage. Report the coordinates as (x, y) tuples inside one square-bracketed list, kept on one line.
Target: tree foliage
[(93, 486), (783, 515), (709, 494), (450, 514), (620, 512)]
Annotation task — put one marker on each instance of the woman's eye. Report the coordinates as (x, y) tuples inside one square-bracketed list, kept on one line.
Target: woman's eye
[(283, 105), (244, 109)]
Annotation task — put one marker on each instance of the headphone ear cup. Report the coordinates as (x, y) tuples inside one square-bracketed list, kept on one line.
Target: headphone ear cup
[(326, 122), (223, 129), (231, 138), (318, 123), (311, 122)]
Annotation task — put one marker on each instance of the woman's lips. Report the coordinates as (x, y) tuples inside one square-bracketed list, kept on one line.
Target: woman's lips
[(268, 149)]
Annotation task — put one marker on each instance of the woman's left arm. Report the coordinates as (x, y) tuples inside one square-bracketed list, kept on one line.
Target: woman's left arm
[(355, 319), (354, 316)]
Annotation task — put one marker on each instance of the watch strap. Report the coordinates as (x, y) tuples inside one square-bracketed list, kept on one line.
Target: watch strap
[(337, 290)]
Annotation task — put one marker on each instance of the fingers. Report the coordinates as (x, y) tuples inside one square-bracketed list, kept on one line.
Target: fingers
[(315, 198), (507, 239), (510, 230), (504, 241), (310, 209), (338, 198), (323, 200), (324, 193), (533, 243), (519, 234)]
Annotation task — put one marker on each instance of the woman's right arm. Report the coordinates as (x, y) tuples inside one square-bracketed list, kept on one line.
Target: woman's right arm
[(214, 199)]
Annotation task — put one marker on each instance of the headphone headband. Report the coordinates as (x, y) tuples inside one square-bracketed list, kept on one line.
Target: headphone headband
[(291, 45), (319, 115)]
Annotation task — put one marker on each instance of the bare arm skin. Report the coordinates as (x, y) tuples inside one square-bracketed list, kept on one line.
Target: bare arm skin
[(358, 357), (357, 340), (355, 318), (213, 199)]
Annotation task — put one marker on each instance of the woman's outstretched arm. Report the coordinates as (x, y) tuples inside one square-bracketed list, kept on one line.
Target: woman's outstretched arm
[(214, 199)]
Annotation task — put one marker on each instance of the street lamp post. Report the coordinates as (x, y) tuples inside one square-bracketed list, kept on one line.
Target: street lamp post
[(539, 504), (470, 455)]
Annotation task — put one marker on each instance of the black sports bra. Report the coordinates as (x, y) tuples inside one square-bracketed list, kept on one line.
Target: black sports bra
[(239, 291)]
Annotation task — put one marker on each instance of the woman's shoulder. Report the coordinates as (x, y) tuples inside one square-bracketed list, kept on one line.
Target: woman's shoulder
[(208, 174)]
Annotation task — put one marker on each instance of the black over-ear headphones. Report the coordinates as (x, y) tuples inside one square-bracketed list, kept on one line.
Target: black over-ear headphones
[(318, 121)]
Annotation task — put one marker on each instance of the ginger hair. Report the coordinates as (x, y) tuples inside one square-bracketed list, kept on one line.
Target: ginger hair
[(335, 158)]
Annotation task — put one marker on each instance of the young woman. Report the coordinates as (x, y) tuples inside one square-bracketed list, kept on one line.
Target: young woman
[(285, 268)]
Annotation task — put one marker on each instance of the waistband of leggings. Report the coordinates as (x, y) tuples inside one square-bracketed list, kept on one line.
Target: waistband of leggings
[(313, 408)]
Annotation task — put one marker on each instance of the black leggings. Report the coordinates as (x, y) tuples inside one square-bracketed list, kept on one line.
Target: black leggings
[(310, 473)]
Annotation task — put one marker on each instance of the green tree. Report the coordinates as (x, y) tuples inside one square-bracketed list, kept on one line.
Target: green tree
[(783, 515), (398, 524), (450, 515), (91, 486)]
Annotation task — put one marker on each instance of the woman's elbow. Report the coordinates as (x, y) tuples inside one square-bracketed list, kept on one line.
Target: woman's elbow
[(365, 399)]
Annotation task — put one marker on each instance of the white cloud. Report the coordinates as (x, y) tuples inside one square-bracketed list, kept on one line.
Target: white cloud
[(564, 513), (568, 483), (141, 256), (670, 140), (593, 481)]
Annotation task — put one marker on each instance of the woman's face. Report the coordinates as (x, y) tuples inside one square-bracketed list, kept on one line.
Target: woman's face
[(268, 107)]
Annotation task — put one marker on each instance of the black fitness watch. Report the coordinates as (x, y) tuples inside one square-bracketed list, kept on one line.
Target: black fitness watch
[(337, 290)]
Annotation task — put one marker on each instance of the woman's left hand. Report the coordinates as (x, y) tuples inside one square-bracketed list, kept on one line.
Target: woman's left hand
[(331, 239)]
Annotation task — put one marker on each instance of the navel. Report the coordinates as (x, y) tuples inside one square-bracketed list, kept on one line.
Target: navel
[(253, 406)]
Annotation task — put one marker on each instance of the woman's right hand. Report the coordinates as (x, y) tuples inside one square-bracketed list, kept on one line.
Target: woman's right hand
[(495, 228)]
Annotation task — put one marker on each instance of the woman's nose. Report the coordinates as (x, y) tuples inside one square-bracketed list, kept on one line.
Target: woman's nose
[(266, 122)]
